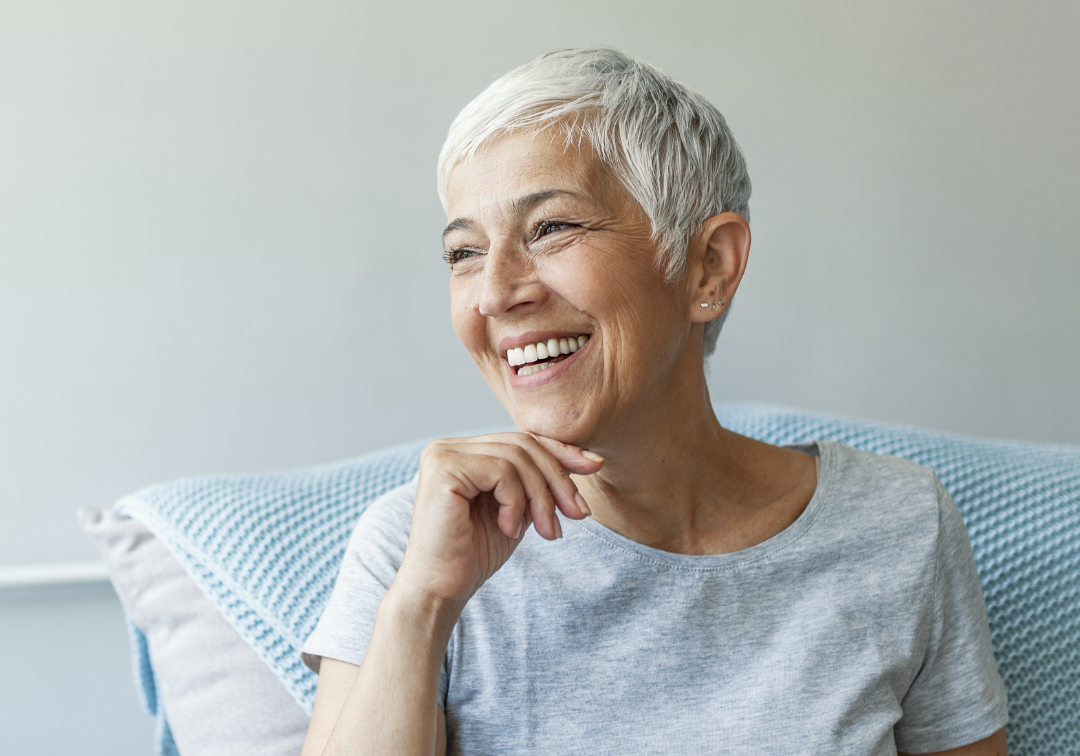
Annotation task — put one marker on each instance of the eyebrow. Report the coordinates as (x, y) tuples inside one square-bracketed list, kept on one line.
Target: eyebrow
[(519, 206), (459, 223)]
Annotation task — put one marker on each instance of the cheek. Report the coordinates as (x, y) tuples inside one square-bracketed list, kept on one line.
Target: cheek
[(584, 276), (618, 287), (468, 323)]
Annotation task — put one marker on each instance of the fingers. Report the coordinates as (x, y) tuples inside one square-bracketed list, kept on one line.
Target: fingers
[(513, 497), (572, 458), (556, 460), (541, 484), (469, 474), (542, 466)]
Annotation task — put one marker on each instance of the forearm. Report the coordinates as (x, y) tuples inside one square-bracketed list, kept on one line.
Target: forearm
[(392, 705), (475, 498)]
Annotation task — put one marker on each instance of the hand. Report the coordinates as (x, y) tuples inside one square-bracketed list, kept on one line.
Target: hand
[(476, 498)]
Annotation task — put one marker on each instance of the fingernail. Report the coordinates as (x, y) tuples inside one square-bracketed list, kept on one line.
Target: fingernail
[(558, 528), (580, 501), (591, 455)]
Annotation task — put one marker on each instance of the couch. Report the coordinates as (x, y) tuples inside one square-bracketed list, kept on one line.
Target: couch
[(224, 577)]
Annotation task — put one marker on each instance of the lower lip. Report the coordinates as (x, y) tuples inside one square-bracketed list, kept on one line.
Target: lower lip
[(544, 376)]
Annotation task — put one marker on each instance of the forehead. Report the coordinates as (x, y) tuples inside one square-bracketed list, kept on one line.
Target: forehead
[(521, 164)]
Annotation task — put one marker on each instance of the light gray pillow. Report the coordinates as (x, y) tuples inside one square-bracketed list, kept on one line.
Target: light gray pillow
[(220, 699)]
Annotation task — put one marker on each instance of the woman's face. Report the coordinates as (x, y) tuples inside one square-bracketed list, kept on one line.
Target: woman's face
[(545, 244)]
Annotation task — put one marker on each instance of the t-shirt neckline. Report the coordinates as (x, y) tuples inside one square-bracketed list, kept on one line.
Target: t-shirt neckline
[(826, 454)]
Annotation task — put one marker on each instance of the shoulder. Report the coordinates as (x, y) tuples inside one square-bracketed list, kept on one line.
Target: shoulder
[(863, 470), (893, 486), (374, 553), (382, 532), (885, 507)]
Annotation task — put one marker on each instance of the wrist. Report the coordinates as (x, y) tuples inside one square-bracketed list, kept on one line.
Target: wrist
[(410, 606)]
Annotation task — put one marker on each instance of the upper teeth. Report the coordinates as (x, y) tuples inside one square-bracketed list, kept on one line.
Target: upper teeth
[(543, 350)]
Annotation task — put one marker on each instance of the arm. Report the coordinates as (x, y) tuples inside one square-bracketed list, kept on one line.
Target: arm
[(475, 499), (957, 689), (405, 648), (991, 746)]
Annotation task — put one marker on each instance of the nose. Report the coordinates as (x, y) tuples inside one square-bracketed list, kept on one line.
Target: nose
[(509, 283)]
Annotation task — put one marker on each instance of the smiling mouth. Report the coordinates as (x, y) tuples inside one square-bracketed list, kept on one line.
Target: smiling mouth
[(533, 358)]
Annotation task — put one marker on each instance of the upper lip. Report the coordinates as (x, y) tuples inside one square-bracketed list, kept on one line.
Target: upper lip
[(531, 337)]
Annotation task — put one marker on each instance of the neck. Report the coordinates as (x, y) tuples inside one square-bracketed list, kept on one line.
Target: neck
[(669, 470), (675, 480)]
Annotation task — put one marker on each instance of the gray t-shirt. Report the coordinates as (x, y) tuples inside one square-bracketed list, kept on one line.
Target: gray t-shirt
[(860, 629)]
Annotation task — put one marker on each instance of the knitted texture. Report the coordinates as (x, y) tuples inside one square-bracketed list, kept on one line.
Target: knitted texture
[(266, 549)]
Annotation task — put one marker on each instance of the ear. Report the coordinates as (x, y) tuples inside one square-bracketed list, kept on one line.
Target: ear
[(715, 262)]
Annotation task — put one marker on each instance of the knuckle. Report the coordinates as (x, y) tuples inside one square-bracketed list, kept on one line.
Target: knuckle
[(434, 452), (428, 456), (519, 455)]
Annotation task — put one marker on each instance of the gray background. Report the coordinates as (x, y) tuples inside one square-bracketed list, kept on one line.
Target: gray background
[(219, 247)]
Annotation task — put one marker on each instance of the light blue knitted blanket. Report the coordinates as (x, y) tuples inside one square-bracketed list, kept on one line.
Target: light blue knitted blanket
[(265, 549)]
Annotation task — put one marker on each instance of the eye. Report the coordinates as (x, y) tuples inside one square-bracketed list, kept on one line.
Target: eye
[(549, 227), (452, 256)]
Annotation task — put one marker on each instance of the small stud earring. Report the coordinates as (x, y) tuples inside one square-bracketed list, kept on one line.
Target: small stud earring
[(714, 307), (721, 303), (704, 304)]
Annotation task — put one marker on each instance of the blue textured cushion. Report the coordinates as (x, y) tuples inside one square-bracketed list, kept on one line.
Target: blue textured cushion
[(266, 548)]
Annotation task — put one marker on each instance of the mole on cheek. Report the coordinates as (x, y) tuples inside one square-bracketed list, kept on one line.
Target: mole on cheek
[(573, 414)]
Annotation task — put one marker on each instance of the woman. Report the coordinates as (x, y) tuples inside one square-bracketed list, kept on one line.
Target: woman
[(623, 575)]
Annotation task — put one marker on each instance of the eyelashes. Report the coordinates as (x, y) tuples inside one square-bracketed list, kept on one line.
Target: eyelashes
[(554, 226), (452, 256), (542, 229)]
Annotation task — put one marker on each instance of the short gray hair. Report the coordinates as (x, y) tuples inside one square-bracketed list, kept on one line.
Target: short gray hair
[(669, 146)]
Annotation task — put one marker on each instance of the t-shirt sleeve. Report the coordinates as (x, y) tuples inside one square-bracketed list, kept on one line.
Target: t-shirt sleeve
[(372, 558), (957, 696)]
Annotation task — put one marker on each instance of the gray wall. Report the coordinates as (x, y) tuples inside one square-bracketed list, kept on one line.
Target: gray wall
[(219, 235), (67, 686)]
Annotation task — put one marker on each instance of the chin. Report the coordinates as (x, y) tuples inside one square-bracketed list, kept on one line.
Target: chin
[(562, 427)]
